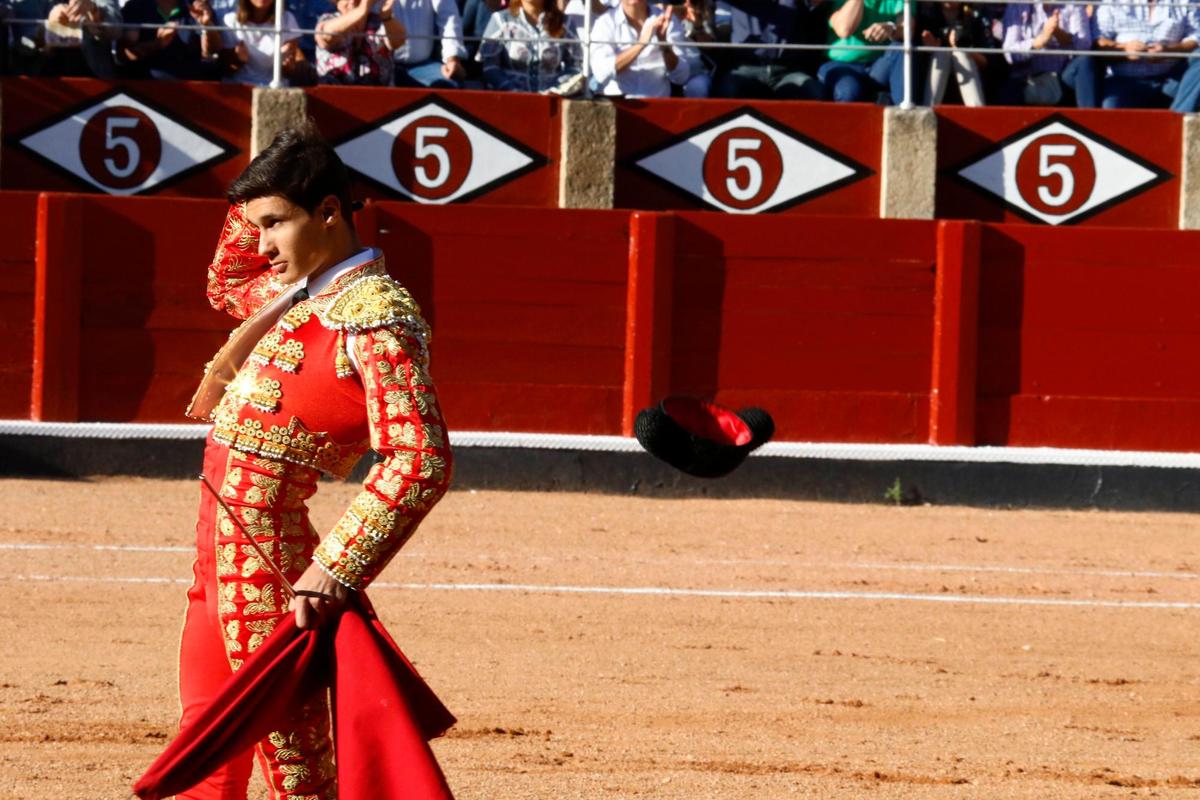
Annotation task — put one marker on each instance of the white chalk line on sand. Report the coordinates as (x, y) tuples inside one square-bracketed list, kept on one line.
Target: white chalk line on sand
[(817, 565), (663, 591)]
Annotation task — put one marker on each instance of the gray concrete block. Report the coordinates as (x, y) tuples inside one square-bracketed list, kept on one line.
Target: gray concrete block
[(1189, 178), (588, 155), (271, 111), (909, 165)]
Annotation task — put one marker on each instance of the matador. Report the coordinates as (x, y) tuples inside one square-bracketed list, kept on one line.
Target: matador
[(332, 359)]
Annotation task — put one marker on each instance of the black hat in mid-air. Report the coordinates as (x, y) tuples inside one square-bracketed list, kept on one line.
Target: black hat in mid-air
[(699, 437)]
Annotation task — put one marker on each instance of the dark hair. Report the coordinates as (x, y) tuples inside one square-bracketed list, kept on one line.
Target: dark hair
[(300, 166)]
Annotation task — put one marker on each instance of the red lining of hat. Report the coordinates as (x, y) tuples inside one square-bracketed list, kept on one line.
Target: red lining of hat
[(708, 420)]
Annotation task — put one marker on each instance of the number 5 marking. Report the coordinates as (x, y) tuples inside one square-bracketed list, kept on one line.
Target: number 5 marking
[(737, 162), (133, 154), (424, 149), (1047, 169)]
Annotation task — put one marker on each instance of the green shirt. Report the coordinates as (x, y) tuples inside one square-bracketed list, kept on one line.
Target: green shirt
[(873, 11)]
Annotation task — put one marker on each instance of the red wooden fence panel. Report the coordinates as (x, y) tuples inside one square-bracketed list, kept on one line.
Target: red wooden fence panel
[(437, 147), (1088, 338), (1089, 167), (527, 307), (172, 138), (825, 322), (18, 231)]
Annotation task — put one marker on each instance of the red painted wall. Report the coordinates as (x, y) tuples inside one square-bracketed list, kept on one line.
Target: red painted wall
[(1083, 337), (508, 120), (827, 323), (218, 112), (1089, 338), (18, 230), (527, 307), (852, 132), (1148, 143), (146, 329)]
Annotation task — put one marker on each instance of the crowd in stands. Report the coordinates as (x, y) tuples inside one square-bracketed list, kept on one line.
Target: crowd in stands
[(639, 48)]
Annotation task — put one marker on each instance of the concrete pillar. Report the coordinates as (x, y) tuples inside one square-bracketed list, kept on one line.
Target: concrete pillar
[(588, 154), (272, 110), (1189, 177), (909, 167)]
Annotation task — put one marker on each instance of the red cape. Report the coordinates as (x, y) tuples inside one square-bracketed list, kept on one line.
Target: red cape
[(383, 712)]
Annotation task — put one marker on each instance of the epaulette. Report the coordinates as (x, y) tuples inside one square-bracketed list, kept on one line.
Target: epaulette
[(374, 301)]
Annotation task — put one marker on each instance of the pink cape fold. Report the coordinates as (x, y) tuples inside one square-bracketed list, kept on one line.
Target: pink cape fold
[(384, 714)]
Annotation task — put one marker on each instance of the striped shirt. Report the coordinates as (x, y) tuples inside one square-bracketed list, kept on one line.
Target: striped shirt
[(1165, 22)]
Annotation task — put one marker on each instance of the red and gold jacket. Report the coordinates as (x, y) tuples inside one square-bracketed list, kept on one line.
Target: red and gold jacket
[(284, 388)]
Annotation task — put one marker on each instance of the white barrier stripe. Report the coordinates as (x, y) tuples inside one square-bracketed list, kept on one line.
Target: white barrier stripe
[(662, 591), (814, 565), (620, 444)]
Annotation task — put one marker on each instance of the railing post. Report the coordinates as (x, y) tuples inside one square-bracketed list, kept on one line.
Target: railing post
[(955, 334), (277, 73), (57, 307), (909, 37), (648, 312)]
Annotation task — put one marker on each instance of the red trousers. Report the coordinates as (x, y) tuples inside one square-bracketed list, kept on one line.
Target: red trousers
[(235, 602)]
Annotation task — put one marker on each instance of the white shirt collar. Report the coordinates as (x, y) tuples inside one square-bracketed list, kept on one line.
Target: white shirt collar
[(317, 284)]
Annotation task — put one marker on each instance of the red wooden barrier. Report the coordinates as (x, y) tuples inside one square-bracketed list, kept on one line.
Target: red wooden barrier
[(135, 137), (826, 322), (1077, 167), (570, 321), (124, 328), (1088, 338), (18, 232), (444, 147), (955, 335), (527, 307), (815, 158)]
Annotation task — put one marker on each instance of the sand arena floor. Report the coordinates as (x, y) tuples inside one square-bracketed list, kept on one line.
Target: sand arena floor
[(780, 649)]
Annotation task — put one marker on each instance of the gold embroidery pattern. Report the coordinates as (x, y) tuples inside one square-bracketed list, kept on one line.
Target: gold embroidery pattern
[(405, 425), (291, 443)]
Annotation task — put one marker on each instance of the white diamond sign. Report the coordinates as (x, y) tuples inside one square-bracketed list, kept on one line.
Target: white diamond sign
[(123, 146), (1058, 172), (747, 163), (435, 153)]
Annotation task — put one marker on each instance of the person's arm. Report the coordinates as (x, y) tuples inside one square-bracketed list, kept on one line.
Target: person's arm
[(407, 430), (453, 50), (674, 51), (240, 281), (210, 41), (626, 57), (332, 27), (392, 27), (844, 21)]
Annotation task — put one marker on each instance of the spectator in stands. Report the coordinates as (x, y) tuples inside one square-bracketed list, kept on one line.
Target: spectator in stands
[(476, 14), (355, 45), (1038, 76), (307, 13), (575, 12), (516, 57), (249, 47), (770, 72), (75, 41), (954, 25), (648, 55), (1142, 31), (416, 63), (852, 74), (165, 51), (696, 16)]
